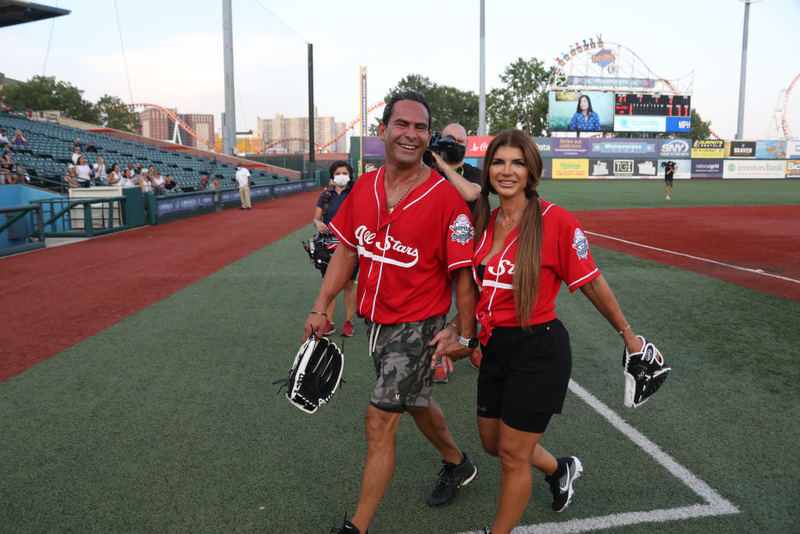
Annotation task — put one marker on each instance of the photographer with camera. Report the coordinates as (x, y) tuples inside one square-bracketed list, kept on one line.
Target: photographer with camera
[(341, 173), (447, 151), (669, 173)]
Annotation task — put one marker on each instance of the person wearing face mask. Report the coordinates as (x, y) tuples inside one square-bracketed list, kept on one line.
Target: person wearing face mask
[(468, 179), (341, 173)]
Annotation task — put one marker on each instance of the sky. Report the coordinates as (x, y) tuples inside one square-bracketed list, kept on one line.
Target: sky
[(173, 50)]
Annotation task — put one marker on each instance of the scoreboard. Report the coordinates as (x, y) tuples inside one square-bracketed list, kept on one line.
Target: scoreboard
[(652, 105), (652, 113)]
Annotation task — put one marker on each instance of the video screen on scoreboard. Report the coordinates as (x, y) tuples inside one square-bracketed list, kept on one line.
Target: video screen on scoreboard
[(581, 111)]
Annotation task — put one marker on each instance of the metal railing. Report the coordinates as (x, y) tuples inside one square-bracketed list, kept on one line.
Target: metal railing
[(85, 217), (14, 224)]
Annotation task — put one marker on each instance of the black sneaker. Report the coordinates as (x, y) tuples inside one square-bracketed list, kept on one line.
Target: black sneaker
[(451, 478), (347, 528), (562, 487)]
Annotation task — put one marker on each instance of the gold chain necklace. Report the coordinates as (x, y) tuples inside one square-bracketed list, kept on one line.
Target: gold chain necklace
[(390, 207)]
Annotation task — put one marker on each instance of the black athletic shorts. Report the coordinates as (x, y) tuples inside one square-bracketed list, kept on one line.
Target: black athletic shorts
[(524, 375)]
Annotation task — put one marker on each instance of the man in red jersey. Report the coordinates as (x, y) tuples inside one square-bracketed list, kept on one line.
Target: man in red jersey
[(411, 234)]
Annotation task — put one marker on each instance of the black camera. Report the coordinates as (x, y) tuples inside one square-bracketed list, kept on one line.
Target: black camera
[(445, 147), (665, 163)]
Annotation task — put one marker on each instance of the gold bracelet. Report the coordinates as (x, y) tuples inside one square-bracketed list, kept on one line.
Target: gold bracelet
[(458, 330), (623, 330)]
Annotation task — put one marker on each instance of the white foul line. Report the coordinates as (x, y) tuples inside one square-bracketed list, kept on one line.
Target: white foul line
[(716, 504), (753, 271)]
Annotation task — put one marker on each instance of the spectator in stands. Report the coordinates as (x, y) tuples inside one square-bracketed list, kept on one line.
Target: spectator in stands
[(130, 169), (78, 144), (76, 153), (14, 173), (126, 180), (114, 176), (171, 185), (158, 183), (71, 178), (4, 141), (203, 185), (100, 171), (91, 148), (19, 140), (84, 172), (215, 186), (144, 181)]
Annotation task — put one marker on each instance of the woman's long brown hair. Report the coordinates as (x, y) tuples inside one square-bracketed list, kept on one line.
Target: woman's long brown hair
[(528, 263)]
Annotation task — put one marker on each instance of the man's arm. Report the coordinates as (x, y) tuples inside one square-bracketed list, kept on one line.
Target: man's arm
[(447, 346), (339, 271), (467, 189)]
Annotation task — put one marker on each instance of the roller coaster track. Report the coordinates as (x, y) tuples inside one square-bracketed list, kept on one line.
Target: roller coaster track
[(787, 132), (332, 141)]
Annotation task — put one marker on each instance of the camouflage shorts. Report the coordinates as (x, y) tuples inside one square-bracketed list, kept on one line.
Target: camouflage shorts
[(402, 361)]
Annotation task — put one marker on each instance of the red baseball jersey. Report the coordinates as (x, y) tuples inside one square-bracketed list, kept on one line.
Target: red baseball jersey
[(406, 258), (565, 257)]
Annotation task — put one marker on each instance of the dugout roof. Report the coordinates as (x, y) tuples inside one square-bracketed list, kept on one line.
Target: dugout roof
[(19, 12)]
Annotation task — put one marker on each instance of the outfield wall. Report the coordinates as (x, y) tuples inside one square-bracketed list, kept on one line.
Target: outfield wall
[(639, 159)]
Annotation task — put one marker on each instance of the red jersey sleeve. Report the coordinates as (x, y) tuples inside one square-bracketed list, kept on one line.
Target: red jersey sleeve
[(576, 265), (460, 235)]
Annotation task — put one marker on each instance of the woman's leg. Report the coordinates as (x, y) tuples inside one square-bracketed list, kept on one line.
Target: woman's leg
[(516, 451)]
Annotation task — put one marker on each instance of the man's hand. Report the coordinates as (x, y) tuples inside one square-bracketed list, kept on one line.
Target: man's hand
[(315, 323), (321, 227), (448, 349), (438, 161)]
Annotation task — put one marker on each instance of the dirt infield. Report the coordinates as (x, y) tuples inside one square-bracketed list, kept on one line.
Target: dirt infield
[(62, 295), (753, 246)]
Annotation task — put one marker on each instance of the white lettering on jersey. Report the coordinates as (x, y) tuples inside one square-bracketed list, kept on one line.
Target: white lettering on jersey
[(368, 238), (503, 266)]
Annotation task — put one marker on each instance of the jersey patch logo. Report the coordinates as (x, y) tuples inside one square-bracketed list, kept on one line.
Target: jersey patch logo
[(461, 230), (580, 244)]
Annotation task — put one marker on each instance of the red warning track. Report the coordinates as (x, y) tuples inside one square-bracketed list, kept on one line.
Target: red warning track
[(729, 243), (59, 296)]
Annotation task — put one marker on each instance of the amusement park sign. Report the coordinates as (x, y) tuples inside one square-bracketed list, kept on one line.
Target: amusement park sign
[(603, 58)]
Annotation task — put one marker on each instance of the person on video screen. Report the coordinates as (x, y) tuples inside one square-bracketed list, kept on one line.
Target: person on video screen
[(584, 119)]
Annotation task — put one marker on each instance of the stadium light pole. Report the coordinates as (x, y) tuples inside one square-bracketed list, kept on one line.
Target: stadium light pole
[(229, 117), (482, 94), (312, 162), (743, 75)]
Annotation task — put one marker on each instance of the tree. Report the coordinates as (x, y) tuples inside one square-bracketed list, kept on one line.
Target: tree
[(114, 114), (44, 92), (700, 129), (522, 102), (447, 103)]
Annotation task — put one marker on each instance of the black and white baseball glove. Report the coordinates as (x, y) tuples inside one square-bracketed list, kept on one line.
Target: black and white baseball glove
[(315, 374), (644, 373)]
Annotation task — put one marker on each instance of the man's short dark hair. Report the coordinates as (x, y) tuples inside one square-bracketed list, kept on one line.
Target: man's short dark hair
[(405, 95)]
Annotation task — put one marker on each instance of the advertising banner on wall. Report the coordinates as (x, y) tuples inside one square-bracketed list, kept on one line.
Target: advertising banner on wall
[(570, 147), (646, 123), (545, 145), (683, 168), (771, 149), (793, 168), (570, 168), (708, 148), (793, 148), (707, 168), (476, 146), (674, 148), (624, 147), (372, 147), (754, 169), (623, 168), (740, 149), (547, 171)]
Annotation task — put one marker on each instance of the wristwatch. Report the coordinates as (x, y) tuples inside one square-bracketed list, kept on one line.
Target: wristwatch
[(471, 343)]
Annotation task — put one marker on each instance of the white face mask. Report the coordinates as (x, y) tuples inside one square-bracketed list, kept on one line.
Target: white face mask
[(341, 180)]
